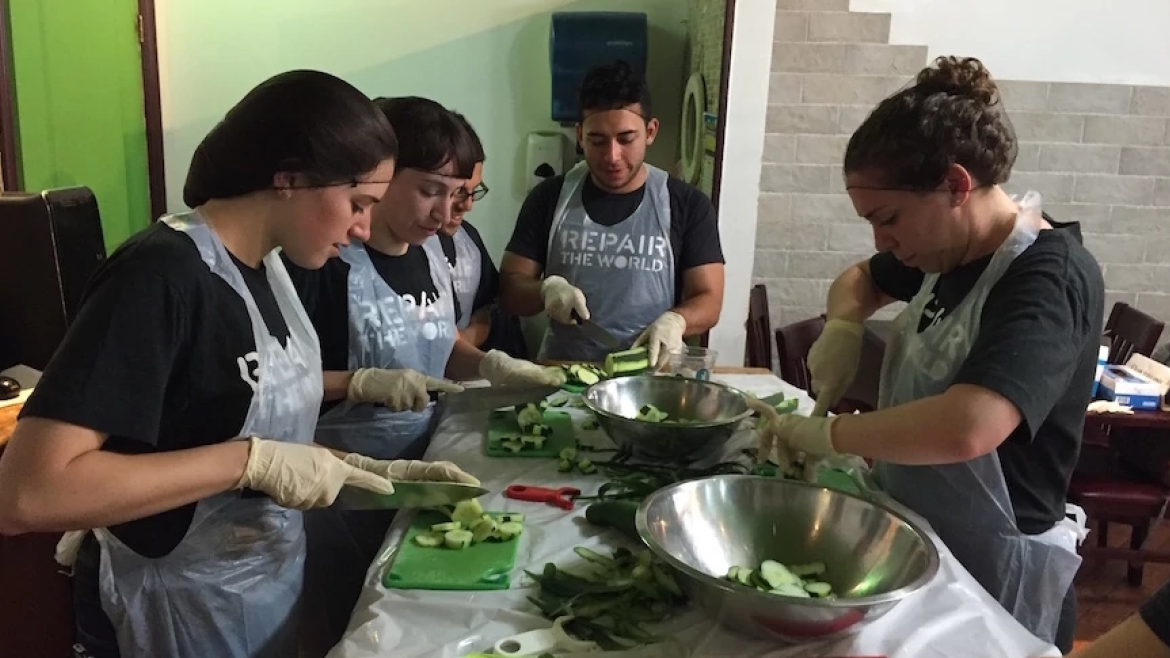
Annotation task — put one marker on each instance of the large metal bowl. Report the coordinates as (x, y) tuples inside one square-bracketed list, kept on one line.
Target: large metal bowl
[(715, 409), (874, 557)]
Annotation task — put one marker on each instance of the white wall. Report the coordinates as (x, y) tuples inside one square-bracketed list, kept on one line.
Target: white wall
[(743, 149), (1111, 41)]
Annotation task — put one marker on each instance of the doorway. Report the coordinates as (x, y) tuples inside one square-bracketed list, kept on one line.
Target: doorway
[(79, 105)]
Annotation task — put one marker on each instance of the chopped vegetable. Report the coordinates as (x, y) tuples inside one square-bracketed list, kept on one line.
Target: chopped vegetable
[(628, 362), (582, 374), (589, 425), (444, 527), (558, 400), (511, 517), (471, 525), (457, 539), (466, 512), (506, 531), (610, 598), (429, 539), (796, 580), (528, 415), (565, 466), (586, 466)]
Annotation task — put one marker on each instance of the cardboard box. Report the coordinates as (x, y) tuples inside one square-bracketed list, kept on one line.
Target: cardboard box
[(1126, 386)]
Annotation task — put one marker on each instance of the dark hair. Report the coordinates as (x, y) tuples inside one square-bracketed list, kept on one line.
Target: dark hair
[(951, 115), (429, 135), (477, 145), (613, 86), (303, 122)]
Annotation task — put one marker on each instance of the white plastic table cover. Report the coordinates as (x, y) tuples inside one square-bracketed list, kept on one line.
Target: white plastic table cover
[(952, 617)]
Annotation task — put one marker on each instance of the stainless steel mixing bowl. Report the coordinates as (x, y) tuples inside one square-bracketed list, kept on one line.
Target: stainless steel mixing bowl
[(874, 557), (715, 408)]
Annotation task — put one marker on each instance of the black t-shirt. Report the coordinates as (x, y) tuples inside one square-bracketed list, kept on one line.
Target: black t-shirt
[(694, 232), (325, 294), (1037, 346), (160, 357), (489, 276), (1156, 613)]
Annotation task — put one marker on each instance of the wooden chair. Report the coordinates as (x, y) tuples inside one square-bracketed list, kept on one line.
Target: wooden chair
[(758, 349), (1108, 491), (795, 340)]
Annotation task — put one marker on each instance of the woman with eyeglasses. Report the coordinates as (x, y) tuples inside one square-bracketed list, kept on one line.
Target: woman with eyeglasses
[(171, 434)]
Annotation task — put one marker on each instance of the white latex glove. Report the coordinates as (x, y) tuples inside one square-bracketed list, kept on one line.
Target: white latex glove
[(832, 362), (68, 547), (785, 437), (302, 476), (503, 370), (561, 298), (1108, 407), (663, 336), (408, 470), (398, 390)]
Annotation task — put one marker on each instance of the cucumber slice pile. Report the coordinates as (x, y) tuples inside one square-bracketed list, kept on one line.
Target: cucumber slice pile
[(533, 431), (569, 460), (469, 525), (582, 374), (799, 581)]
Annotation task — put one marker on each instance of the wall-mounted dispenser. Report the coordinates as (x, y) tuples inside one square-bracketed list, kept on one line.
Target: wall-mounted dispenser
[(546, 156), (581, 39)]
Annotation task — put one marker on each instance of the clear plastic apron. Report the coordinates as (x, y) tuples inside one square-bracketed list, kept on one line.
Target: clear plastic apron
[(967, 503), (626, 270), (465, 271), (387, 330), (231, 587)]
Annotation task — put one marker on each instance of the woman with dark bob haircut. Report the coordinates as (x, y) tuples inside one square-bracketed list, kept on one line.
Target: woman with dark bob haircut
[(988, 368), (171, 435)]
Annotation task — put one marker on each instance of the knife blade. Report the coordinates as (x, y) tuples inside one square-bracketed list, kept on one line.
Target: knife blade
[(407, 495), (488, 398), (597, 333)]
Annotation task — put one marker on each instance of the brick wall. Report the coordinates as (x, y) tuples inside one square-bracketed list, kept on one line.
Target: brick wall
[(1099, 154)]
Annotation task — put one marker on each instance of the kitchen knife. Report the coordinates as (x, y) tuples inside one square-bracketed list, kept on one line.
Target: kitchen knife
[(487, 398), (408, 495), (597, 333)]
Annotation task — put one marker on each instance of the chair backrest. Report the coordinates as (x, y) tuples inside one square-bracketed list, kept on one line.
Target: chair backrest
[(795, 340), (758, 348), (1130, 332)]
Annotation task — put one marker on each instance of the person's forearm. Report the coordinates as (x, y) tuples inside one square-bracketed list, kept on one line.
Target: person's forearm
[(1130, 639), (99, 489), (700, 312), (520, 294), (952, 427), (479, 327), (853, 296), (463, 364), (336, 384)]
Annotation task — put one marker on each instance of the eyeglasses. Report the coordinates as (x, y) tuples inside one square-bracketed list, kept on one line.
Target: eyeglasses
[(478, 193)]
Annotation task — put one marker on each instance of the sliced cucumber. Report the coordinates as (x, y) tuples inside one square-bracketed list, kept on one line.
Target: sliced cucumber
[(586, 377), (457, 539), (528, 415), (818, 589), (558, 400), (807, 570), (511, 517), (429, 539), (467, 511), (733, 573), (444, 527), (483, 529), (777, 574), (744, 576), (536, 442), (589, 425), (788, 589), (538, 430), (565, 466), (586, 466), (510, 530), (568, 454)]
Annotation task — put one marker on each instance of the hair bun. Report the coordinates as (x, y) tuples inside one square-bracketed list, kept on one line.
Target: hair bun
[(958, 76)]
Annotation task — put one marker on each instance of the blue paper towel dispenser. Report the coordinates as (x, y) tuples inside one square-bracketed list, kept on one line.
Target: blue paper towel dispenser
[(581, 39)]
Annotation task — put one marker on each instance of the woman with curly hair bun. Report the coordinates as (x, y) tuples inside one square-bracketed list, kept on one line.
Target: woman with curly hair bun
[(990, 365)]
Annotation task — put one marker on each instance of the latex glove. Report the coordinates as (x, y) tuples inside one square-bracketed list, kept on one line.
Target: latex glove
[(786, 438), (398, 390), (303, 476), (1108, 407), (503, 370), (68, 547), (408, 470), (561, 298), (663, 336), (832, 362)]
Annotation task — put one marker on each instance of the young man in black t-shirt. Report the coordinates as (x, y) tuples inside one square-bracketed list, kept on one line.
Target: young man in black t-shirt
[(615, 240)]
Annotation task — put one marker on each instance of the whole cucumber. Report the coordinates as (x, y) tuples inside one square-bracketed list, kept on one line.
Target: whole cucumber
[(617, 514)]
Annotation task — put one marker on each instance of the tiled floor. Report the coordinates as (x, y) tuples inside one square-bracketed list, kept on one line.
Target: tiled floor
[(1104, 598)]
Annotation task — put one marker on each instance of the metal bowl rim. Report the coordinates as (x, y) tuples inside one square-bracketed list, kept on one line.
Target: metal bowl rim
[(928, 574), (585, 398)]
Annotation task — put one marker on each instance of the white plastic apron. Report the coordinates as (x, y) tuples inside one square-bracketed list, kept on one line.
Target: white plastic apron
[(968, 503), (230, 588), (465, 271), (626, 270), (387, 330)]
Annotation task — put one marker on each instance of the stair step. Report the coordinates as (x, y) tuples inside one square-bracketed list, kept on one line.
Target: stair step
[(832, 27), (853, 59)]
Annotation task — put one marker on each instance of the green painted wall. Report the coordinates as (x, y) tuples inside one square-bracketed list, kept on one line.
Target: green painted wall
[(79, 104), (485, 58)]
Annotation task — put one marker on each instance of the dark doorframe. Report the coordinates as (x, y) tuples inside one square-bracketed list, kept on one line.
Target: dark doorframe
[(721, 120), (152, 107), (9, 146)]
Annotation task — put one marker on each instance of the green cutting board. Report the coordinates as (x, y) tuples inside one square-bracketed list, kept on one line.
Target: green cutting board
[(483, 566), (502, 423)]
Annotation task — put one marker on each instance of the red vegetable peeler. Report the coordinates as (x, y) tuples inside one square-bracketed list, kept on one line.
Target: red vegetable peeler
[(562, 498)]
